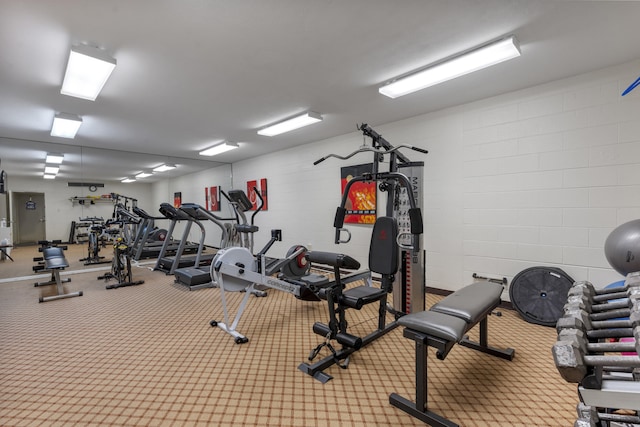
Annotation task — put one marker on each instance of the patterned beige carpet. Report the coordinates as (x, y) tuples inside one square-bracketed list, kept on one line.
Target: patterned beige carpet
[(146, 355)]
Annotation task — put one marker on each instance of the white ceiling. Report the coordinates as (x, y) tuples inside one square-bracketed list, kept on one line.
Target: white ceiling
[(191, 73)]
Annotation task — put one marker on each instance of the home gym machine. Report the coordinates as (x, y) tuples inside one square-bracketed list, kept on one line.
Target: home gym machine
[(122, 252), (395, 254)]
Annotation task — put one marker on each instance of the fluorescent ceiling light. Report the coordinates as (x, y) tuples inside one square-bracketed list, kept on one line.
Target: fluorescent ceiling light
[(143, 174), (87, 71), (164, 168), (219, 148), (47, 176), (127, 180), (291, 124), (65, 125), (54, 158), (468, 62), (51, 169)]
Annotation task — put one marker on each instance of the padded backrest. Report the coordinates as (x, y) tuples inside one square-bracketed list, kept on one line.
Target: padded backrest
[(52, 252), (383, 251)]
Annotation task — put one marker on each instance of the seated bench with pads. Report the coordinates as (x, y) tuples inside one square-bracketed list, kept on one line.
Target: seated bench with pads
[(442, 326), (383, 260), (54, 261)]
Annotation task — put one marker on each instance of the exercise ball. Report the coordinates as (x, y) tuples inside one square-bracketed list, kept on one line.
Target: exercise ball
[(622, 247)]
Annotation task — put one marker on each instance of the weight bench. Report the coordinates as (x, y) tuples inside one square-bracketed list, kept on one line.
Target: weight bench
[(54, 261), (441, 327)]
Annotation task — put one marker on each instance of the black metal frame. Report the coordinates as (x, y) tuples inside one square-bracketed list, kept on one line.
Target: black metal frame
[(423, 341)]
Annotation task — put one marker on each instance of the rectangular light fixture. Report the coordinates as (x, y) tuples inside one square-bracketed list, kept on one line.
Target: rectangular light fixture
[(51, 170), (65, 125), (54, 158), (87, 71), (143, 175), (48, 176), (165, 167), (290, 124), (465, 63), (127, 180), (219, 148)]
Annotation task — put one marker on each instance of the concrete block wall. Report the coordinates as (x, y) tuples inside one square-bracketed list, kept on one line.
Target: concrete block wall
[(535, 177), (549, 172)]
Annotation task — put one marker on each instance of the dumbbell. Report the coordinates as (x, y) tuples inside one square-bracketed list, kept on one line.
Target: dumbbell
[(588, 416), (580, 338), (580, 319), (586, 293), (599, 295), (572, 360), (610, 310)]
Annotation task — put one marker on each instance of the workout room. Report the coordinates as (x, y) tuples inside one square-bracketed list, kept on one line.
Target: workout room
[(320, 213)]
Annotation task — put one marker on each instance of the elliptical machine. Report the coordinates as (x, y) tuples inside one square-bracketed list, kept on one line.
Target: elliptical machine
[(122, 253), (97, 230)]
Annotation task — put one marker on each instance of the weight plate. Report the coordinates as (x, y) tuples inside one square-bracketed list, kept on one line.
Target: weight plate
[(540, 293), (297, 267)]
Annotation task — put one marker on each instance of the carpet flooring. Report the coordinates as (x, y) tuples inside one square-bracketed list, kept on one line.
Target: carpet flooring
[(147, 356)]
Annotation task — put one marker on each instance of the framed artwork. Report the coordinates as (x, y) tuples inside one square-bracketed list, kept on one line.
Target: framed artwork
[(262, 188), (361, 201), (177, 199), (214, 198)]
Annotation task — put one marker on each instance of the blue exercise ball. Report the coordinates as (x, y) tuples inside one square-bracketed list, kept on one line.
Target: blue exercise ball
[(622, 247)]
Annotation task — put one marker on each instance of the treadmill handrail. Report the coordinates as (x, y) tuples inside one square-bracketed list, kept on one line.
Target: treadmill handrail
[(186, 207), (170, 212), (144, 214)]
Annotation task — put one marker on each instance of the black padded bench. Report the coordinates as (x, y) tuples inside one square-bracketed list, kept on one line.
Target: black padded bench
[(442, 326), (55, 261)]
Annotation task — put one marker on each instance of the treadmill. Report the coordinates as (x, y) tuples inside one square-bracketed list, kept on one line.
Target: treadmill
[(200, 277), (152, 249), (197, 277), (169, 263)]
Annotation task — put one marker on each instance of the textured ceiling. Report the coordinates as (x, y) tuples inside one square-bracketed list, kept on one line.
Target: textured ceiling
[(193, 73)]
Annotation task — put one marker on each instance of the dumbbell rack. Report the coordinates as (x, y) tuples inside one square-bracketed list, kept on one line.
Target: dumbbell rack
[(608, 373)]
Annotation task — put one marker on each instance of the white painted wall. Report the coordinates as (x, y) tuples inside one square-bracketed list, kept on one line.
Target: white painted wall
[(535, 177), (548, 173), (60, 211), (303, 198)]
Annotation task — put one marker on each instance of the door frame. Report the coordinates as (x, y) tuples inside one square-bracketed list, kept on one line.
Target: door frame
[(15, 215)]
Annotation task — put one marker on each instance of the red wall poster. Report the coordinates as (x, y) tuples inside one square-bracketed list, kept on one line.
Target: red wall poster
[(262, 188), (177, 199), (214, 198), (361, 202)]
